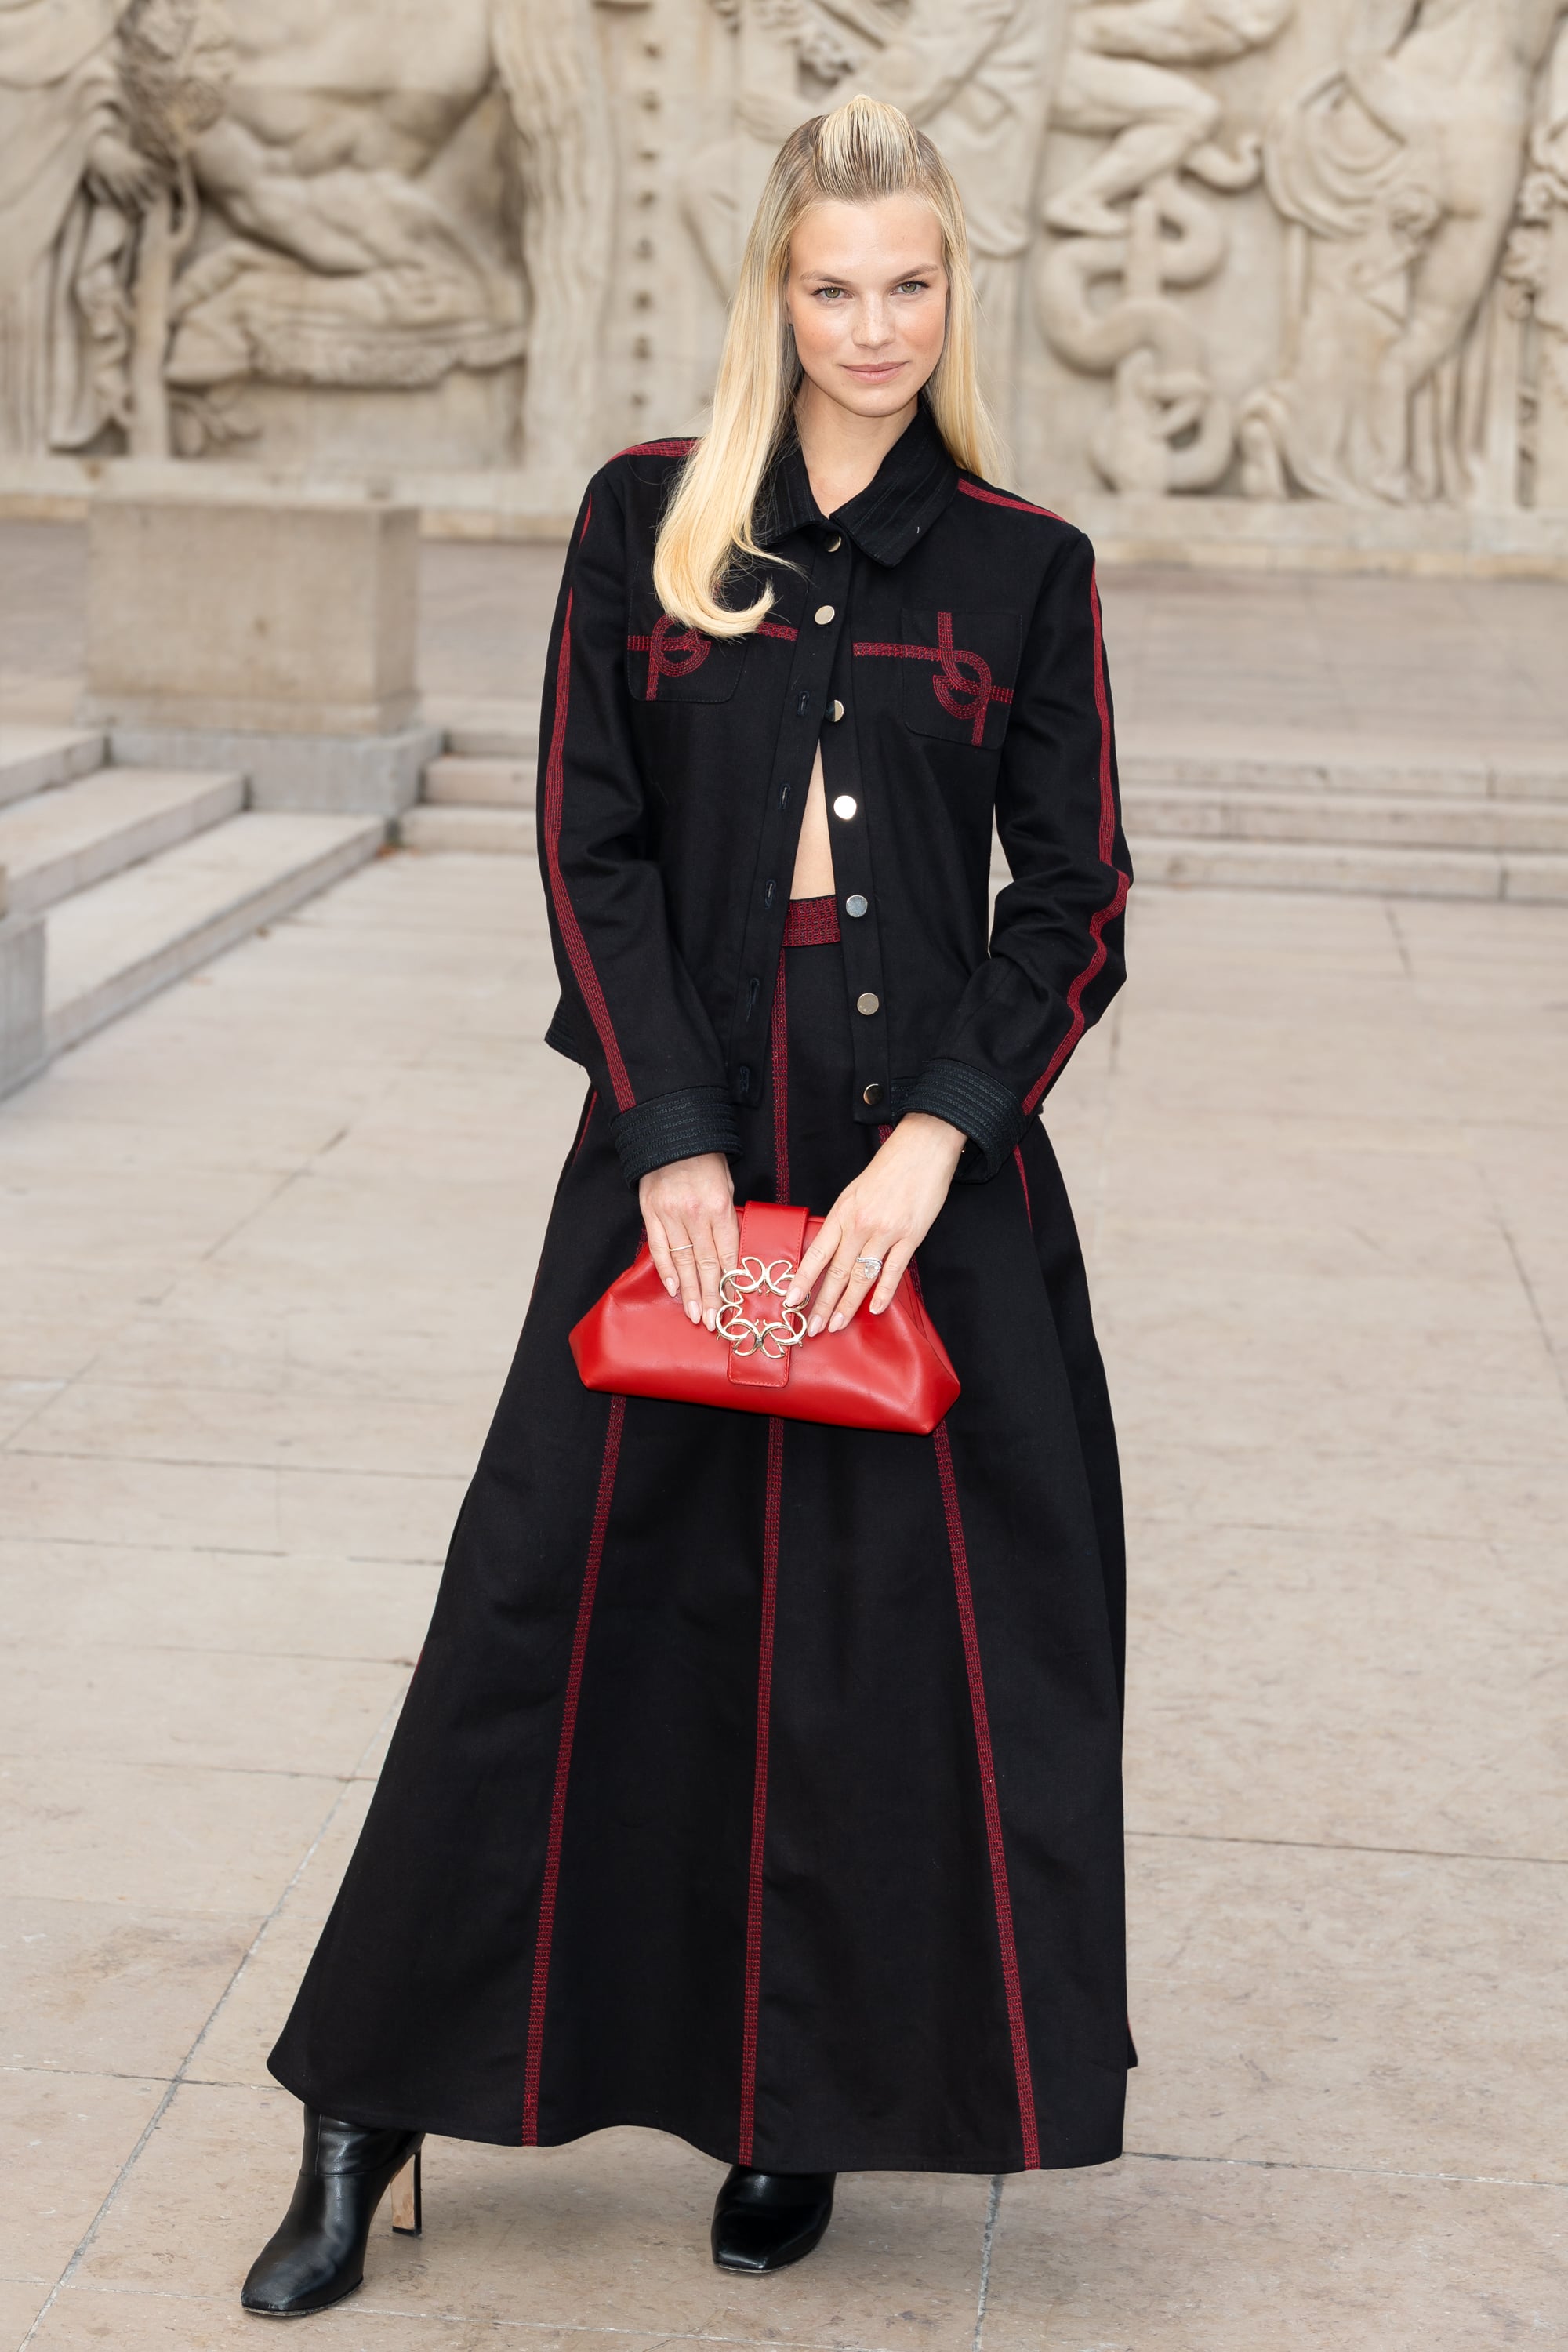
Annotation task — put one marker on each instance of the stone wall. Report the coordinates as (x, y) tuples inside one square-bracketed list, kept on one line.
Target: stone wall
[(1235, 254)]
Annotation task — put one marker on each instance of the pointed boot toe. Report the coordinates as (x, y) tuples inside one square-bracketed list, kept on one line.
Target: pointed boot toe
[(316, 2255), (764, 2221)]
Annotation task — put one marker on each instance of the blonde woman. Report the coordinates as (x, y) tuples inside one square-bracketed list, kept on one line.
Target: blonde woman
[(760, 1781)]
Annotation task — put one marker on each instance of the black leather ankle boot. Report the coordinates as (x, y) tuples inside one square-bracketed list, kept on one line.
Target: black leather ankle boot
[(762, 2220), (317, 2254)]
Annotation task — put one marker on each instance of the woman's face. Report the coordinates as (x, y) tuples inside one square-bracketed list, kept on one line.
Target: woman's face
[(866, 295)]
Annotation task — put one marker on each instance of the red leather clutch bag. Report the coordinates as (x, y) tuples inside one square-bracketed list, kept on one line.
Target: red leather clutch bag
[(882, 1372)]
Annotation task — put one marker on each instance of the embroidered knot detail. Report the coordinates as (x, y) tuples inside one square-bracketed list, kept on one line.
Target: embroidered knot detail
[(961, 680), (673, 651)]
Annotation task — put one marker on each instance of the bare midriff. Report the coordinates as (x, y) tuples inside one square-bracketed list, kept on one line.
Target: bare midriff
[(813, 853)]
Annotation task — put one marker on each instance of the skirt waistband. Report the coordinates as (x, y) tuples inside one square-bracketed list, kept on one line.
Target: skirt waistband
[(812, 923)]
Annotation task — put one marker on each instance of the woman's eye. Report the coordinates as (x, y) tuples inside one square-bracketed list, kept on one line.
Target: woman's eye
[(829, 293), (912, 286)]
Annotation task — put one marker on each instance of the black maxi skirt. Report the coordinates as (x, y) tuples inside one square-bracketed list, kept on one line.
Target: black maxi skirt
[(761, 1781)]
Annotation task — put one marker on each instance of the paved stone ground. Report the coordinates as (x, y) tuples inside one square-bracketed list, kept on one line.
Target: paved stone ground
[(264, 1247)]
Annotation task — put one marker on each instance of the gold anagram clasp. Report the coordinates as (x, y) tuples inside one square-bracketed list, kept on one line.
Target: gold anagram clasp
[(743, 1289)]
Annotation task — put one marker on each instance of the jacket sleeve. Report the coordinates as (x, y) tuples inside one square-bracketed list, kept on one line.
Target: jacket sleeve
[(629, 1005), (1056, 956)]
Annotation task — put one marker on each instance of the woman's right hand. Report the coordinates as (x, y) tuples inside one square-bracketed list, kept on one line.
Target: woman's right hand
[(688, 1210)]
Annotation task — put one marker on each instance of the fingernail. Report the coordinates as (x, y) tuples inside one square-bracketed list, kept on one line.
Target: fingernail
[(813, 1327), (836, 1324), (695, 1313), (793, 1296), (711, 1319), (673, 1288), (876, 1308)]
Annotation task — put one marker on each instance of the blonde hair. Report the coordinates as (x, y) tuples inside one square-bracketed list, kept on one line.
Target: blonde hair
[(862, 150)]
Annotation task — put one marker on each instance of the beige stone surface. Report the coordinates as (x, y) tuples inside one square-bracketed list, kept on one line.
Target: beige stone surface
[(273, 616), (268, 1243)]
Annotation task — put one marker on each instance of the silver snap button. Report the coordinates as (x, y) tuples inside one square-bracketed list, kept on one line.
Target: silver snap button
[(835, 543), (856, 905), (867, 1003), (836, 711), (825, 614), (844, 805)]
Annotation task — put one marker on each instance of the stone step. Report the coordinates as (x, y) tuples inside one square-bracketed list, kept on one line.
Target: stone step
[(120, 941), (488, 726), (1392, 820), (467, 782), (1422, 772), (32, 759), (1516, 875), (72, 835), (508, 830)]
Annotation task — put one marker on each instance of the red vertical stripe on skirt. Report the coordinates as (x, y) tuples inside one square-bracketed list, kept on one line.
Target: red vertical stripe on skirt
[(779, 1043), (999, 1886), (760, 1792), (773, 1501), (563, 1768)]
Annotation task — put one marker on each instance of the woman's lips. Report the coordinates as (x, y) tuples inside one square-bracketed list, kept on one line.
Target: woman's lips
[(875, 375)]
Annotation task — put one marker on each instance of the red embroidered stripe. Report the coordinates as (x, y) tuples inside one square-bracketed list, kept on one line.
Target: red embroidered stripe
[(811, 923), (999, 1887), (777, 629), (577, 954), (563, 1768), (760, 1792), (779, 1048), (996, 498), (1077, 1021), (658, 449), (1018, 1157)]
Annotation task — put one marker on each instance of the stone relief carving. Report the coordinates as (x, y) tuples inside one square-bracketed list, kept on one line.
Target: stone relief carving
[(1536, 270), (1400, 172), (1284, 248), (207, 203), (1167, 425)]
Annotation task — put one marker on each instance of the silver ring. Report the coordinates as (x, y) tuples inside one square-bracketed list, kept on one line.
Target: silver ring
[(676, 1247), (869, 1266)]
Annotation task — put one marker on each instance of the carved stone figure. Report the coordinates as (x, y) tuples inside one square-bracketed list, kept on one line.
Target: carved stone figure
[(339, 262), (69, 183), (1401, 170), (1120, 78), (1535, 273), (1168, 426)]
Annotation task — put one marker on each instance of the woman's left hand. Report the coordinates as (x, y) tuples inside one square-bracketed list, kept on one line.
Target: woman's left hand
[(884, 1214)]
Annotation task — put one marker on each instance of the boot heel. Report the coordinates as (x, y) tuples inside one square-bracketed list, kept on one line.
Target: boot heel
[(408, 2199)]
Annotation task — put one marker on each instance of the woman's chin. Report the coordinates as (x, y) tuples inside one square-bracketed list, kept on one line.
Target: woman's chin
[(883, 398)]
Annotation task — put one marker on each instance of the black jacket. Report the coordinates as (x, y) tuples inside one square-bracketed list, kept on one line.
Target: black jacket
[(942, 640)]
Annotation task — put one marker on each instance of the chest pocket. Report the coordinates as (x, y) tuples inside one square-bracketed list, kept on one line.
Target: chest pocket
[(667, 662), (958, 670)]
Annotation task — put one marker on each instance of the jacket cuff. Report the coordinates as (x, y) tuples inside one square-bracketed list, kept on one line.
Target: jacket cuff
[(989, 1113), (674, 1127)]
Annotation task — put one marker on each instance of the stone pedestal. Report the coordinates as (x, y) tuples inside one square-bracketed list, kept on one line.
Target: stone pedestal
[(277, 637)]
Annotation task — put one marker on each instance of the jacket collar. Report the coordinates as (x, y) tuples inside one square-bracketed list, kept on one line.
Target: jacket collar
[(915, 483)]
